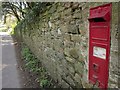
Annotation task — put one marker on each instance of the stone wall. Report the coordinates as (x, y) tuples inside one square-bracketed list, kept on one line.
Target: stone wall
[(114, 65), (59, 38)]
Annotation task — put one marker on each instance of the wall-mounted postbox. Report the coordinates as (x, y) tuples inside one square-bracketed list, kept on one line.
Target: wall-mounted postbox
[(99, 44)]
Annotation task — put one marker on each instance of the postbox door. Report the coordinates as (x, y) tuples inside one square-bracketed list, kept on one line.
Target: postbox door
[(99, 45)]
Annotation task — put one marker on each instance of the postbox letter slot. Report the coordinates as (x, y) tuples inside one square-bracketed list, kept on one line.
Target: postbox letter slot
[(95, 67), (97, 19)]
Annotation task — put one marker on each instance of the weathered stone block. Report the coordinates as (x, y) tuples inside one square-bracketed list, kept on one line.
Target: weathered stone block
[(77, 16), (71, 60), (68, 44), (59, 70), (53, 32), (70, 80), (60, 55), (76, 38), (49, 52), (66, 37), (59, 9), (56, 16), (77, 78), (66, 51), (71, 70), (73, 29), (58, 42), (68, 18), (67, 5), (52, 9), (79, 67), (64, 84), (63, 27), (87, 85), (75, 5), (82, 31), (66, 12), (81, 57), (64, 67), (74, 53)]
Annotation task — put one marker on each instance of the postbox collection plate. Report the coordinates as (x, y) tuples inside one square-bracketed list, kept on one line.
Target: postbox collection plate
[(99, 44)]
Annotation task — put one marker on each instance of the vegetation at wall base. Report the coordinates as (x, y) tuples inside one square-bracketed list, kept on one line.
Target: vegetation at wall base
[(34, 66)]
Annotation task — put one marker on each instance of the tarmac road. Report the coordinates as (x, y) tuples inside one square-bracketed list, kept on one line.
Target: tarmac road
[(11, 77)]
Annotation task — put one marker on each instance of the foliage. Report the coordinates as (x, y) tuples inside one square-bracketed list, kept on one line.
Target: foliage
[(33, 64), (44, 83), (17, 9), (12, 8), (31, 61), (21, 9), (12, 26)]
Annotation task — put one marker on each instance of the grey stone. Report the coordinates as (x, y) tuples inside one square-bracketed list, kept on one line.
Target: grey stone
[(79, 68), (68, 44), (66, 12), (59, 9), (58, 44), (82, 30), (59, 31), (74, 53), (52, 9), (70, 80), (75, 5), (77, 16), (64, 84), (50, 24), (59, 70), (64, 28), (71, 60), (75, 38), (66, 37), (73, 29), (77, 78), (67, 5), (53, 33), (81, 58), (66, 51), (60, 55), (72, 70)]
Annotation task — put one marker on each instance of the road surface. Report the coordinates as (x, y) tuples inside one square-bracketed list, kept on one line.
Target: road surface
[(11, 77)]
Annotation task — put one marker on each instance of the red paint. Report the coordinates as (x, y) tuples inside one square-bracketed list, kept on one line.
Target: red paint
[(99, 34)]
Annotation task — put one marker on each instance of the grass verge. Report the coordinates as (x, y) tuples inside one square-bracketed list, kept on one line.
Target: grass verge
[(34, 66)]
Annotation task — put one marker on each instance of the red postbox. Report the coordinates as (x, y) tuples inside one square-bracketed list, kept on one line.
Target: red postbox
[(99, 44)]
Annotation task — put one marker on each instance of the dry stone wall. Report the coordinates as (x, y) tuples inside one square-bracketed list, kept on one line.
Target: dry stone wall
[(59, 38)]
